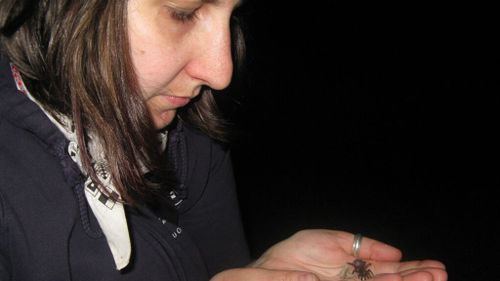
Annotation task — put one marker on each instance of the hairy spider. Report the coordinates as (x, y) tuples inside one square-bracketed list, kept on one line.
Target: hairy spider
[(361, 268)]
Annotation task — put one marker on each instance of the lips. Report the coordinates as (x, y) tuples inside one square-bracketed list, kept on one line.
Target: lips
[(177, 101)]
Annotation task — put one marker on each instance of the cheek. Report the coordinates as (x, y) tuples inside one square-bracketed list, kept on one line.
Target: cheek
[(154, 68), (156, 60)]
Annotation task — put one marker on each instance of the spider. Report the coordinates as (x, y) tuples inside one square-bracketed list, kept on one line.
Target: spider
[(361, 268)]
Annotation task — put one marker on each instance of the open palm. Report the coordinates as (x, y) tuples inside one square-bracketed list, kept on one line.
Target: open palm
[(328, 254)]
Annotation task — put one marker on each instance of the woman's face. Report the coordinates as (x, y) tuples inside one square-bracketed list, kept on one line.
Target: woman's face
[(178, 46)]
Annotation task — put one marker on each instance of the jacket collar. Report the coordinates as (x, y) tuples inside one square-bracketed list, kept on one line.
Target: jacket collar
[(20, 111), (17, 108)]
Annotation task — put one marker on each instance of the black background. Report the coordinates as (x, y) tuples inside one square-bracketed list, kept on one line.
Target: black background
[(379, 118)]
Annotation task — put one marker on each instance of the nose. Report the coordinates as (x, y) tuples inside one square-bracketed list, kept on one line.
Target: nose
[(212, 61)]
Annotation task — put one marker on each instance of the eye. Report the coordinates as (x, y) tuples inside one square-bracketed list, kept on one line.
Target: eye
[(183, 16)]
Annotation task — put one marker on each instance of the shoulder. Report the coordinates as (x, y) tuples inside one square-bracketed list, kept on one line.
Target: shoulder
[(199, 161), (202, 146)]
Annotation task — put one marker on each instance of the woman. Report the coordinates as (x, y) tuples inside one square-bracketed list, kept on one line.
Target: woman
[(112, 166)]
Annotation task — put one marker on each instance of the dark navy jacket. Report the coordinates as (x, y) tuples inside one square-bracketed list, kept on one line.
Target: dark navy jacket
[(47, 231)]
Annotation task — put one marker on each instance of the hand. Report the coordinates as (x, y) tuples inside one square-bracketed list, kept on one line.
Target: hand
[(257, 274), (327, 254)]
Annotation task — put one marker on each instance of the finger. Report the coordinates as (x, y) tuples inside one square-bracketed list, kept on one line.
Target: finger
[(378, 251), (435, 268), (393, 267), (258, 274), (370, 249), (417, 275), (438, 274), (387, 277)]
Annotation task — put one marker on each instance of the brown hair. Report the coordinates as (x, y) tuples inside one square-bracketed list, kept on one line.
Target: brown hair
[(75, 59)]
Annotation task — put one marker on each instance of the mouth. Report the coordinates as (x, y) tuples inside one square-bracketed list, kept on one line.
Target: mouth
[(177, 101)]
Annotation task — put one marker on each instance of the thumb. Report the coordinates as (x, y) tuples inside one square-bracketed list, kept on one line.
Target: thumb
[(259, 274)]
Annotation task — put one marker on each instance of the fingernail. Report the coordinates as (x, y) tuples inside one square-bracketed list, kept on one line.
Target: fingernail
[(307, 277)]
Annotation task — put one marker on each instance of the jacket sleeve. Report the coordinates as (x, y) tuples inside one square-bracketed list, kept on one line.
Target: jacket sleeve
[(214, 220)]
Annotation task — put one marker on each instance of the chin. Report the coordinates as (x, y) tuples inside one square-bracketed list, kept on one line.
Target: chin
[(164, 119)]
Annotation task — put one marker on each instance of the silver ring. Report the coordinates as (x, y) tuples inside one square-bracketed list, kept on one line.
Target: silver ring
[(356, 244)]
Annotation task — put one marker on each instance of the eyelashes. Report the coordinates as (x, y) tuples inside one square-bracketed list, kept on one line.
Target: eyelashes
[(183, 17), (187, 16)]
